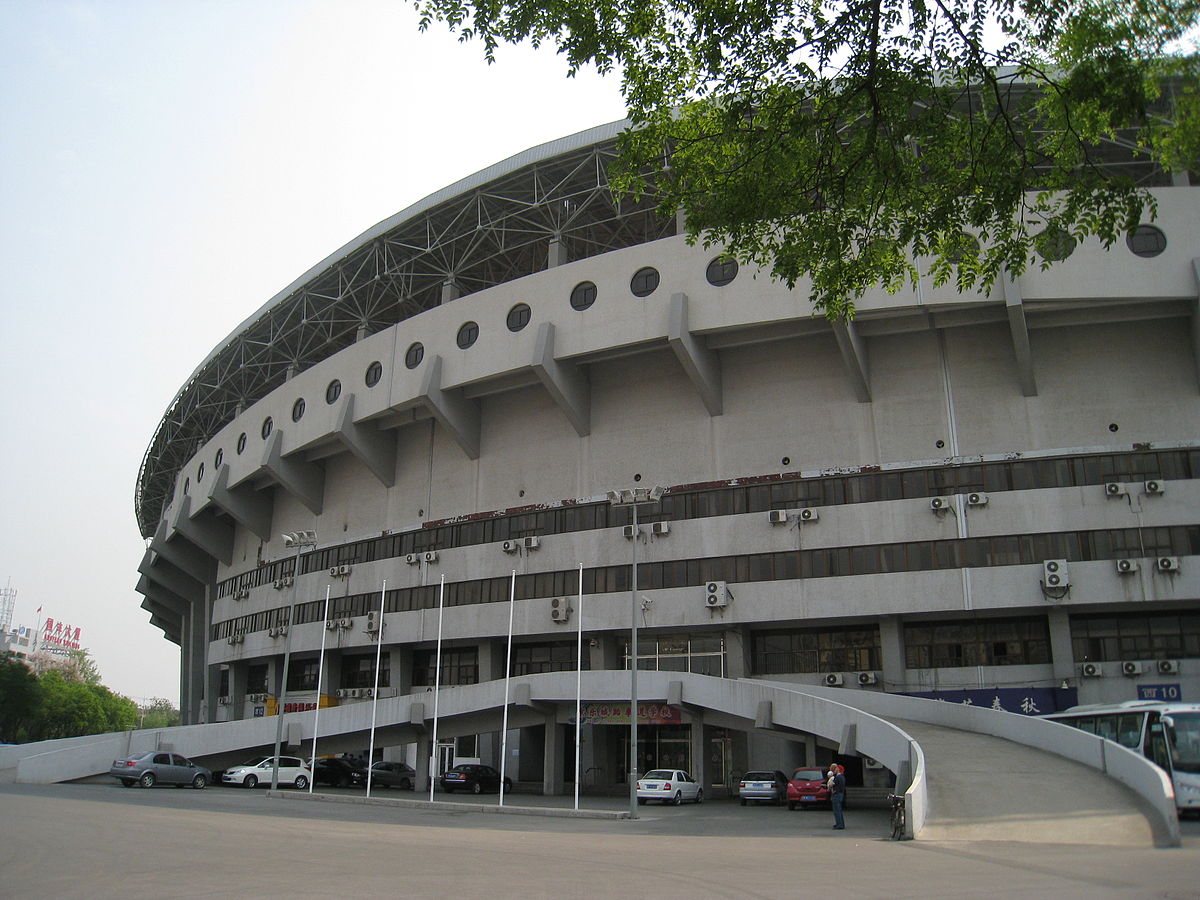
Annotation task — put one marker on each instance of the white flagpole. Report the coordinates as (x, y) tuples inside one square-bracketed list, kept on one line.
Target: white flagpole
[(375, 692), (437, 684), (512, 596), (320, 672), (578, 684)]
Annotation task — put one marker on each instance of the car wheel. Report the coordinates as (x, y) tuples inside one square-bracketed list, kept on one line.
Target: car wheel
[(677, 799), (343, 782), (405, 785), (448, 789), (251, 781), (199, 782), (791, 805), (477, 788), (641, 801), (743, 801), (699, 796), (301, 782), (147, 779), (128, 782)]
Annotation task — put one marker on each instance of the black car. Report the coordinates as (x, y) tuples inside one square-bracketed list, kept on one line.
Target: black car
[(388, 774), (336, 772), (473, 778)]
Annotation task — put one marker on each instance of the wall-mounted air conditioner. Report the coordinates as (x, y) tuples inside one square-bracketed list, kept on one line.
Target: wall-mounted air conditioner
[(1130, 668), (939, 504), (716, 594), (808, 514), (413, 559), (235, 638), (372, 623), (224, 700), (1153, 486), (532, 542), (627, 532), (331, 624), (833, 679), (560, 610), (1168, 564), (256, 698), (335, 571), (778, 516), (1167, 666), (1091, 670), (1054, 573), (431, 556), (660, 528), (1114, 489), (977, 499), (510, 546), (867, 678), (1126, 566)]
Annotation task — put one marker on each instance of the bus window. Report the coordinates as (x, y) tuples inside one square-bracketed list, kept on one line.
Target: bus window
[(1156, 747), (1129, 730), (1106, 727)]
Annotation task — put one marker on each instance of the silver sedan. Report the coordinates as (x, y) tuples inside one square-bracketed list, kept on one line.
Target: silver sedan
[(159, 767)]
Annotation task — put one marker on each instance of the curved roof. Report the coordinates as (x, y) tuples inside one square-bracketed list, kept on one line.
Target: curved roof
[(489, 228)]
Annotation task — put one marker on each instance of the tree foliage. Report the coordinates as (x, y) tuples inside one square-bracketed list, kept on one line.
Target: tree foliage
[(61, 702), (159, 713), (857, 143)]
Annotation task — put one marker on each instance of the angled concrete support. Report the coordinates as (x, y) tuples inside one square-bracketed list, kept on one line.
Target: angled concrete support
[(765, 716), (701, 364), (854, 355), (416, 715), (849, 743), (565, 382), (375, 449), (170, 603), (457, 415), (213, 537), (1196, 319), (675, 693), (159, 571), (185, 556), (303, 480), (1017, 325), (249, 508)]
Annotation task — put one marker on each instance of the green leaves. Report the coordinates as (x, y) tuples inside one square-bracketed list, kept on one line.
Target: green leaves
[(849, 145)]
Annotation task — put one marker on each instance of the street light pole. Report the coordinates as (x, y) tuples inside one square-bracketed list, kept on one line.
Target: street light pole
[(299, 540), (633, 499)]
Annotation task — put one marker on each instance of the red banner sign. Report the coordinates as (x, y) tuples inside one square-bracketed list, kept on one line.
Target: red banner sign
[(617, 713)]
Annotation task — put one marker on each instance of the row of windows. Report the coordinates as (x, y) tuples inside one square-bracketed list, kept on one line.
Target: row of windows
[(1146, 241), (911, 556), (748, 496), (815, 650), (1108, 638)]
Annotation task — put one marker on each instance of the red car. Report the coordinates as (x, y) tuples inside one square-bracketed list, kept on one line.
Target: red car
[(807, 787)]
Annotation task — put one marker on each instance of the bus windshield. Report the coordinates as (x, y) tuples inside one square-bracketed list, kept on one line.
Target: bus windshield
[(1184, 735)]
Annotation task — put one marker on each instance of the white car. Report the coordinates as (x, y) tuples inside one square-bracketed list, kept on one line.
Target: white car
[(669, 786), (292, 770)]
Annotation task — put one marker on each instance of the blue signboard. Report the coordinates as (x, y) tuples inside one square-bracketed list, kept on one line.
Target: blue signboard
[(1167, 692), (1026, 701)]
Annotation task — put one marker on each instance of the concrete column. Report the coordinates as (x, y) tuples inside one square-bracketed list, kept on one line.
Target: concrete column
[(1061, 651), (331, 679), (891, 645), (605, 653), (552, 759), (810, 750), (422, 763), (737, 652), (197, 637), (557, 254), (491, 660), (402, 663), (237, 689), (699, 769)]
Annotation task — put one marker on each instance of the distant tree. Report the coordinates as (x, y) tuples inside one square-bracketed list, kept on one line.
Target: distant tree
[(859, 143), (69, 708), (20, 699), (159, 713), (81, 667)]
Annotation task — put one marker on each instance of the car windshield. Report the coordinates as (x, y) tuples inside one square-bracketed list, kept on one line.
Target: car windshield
[(659, 775), (759, 776), (808, 775), (1184, 735), (256, 761)]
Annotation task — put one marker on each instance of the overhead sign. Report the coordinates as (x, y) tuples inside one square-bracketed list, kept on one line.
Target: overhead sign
[(1168, 692), (1026, 701), (617, 713), (59, 634)]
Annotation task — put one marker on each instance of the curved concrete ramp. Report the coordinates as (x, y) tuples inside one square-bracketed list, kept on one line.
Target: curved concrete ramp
[(984, 788)]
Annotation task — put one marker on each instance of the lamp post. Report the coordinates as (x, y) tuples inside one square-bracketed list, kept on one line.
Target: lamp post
[(633, 499), (299, 540)]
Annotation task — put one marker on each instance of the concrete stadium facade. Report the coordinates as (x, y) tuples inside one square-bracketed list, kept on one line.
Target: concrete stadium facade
[(954, 494)]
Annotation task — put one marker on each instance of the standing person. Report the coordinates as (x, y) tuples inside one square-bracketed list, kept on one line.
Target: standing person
[(837, 794)]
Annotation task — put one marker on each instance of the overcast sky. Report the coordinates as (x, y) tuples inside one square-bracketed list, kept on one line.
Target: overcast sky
[(165, 169)]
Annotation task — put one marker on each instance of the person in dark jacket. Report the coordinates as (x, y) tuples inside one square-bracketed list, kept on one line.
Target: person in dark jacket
[(837, 794)]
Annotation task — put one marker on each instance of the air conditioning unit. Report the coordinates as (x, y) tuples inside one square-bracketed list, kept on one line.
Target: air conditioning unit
[(243, 594), (413, 559), (256, 698), (716, 594), (939, 504), (345, 623), (278, 585), (1168, 564), (977, 499), (809, 515), (778, 516), (627, 532), (510, 546), (431, 556), (532, 542), (331, 624), (1168, 667), (660, 528), (235, 638), (372, 623), (224, 700), (1126, 566), (1153, 486), (869, 763), (560, 609), (867, 678), (367, 693), (1114, 489), (345, 570), (1054, 573), (277, 631), (342, 692), (1091, 670), (834, 679), (335, 571), (1131, 668), (383, 692)]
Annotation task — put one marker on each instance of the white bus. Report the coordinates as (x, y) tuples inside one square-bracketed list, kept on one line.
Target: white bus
[(1166, 733)]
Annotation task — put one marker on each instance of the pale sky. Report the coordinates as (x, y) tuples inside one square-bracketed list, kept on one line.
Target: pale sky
[(165, 169)]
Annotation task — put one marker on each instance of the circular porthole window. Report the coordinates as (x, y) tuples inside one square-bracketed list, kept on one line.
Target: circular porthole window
[(583, 296), (1146, 241), (266, 427), (721, 271), (218, 459), (298, 410), (644, 282), (468, 334), (200, 473), (374, 373), (1054, 244), (187, 486), (333, 390), (241, 444), (414, 354), (518, 317)]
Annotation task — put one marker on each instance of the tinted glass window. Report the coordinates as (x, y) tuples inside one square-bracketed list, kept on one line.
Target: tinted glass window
[(583, 296), (644, 282), (518, 317), (374, 373), (468, 334), (721, 271), (414, 355), (1146, 241), (333, 391)]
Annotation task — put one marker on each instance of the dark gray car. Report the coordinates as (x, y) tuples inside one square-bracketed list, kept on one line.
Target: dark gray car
[(159, 767)]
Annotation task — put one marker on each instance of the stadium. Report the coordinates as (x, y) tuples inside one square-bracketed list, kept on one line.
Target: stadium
[(989, 498)]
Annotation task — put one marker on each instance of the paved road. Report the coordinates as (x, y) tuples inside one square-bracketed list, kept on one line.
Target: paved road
[(101, 841)]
